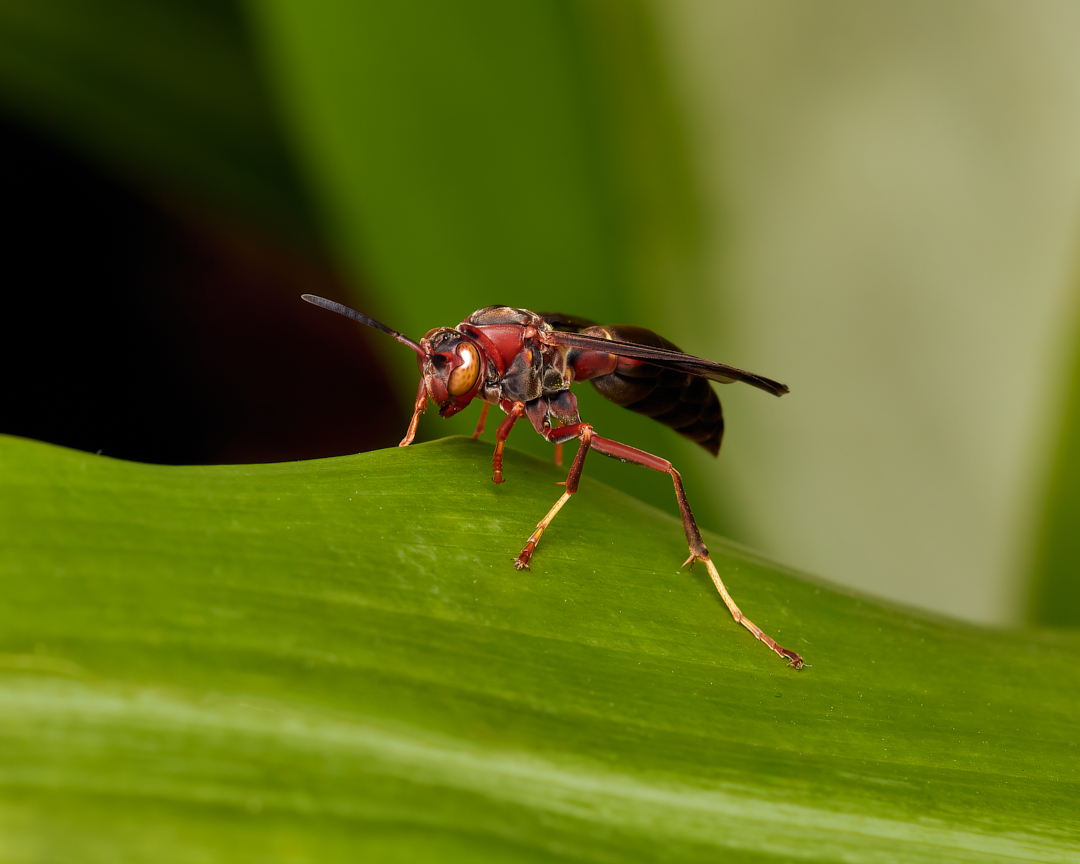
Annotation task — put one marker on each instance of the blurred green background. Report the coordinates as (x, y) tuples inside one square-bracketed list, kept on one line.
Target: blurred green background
[(875, 205)]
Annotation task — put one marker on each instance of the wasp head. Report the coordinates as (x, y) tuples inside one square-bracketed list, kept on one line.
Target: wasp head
[(451, 363), (452, 366)]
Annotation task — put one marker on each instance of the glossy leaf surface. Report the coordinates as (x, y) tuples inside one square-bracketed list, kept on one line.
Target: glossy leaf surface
[(1055, 589), (335, 660)]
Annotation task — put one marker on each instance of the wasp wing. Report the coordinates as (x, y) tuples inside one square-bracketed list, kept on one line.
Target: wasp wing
[(663, 357), (566, 323)]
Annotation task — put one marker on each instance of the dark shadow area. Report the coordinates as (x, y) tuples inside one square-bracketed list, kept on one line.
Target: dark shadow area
[(162, 334)]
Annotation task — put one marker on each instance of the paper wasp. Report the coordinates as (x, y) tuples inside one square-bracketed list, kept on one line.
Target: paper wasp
[(525, 363)]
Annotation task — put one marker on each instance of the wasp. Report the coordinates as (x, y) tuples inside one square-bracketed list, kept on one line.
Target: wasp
[(525, 362)]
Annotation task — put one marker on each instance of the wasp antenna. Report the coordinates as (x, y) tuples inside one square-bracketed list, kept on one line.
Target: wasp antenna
[(362, 318)]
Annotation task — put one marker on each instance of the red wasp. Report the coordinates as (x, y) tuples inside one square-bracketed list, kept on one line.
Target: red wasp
[(525, 364)]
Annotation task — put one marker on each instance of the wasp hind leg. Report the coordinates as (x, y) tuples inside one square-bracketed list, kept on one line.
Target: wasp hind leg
[(582, 431), (698, 549), (793, 659)]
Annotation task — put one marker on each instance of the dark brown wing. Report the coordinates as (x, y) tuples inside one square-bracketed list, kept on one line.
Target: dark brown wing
[(566, 323), (719, 372)]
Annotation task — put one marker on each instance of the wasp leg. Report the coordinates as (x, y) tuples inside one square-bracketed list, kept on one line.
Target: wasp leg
[(512, 416), (698, 550), (579, 430), (558, 454), (480, 423), (792, 658), (421, 404)]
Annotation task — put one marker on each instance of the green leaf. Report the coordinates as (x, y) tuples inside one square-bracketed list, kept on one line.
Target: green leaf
[(167, 93), (480, 153), (1055, 589), (336, 660), (459, 155)]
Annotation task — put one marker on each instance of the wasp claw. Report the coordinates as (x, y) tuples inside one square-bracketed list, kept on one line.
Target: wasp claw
[(521, 565)]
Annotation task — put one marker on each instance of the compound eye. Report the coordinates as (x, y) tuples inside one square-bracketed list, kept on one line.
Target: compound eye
[(464, 377)]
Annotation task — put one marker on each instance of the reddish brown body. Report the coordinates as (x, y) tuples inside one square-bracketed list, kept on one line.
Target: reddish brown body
[(525, 364)]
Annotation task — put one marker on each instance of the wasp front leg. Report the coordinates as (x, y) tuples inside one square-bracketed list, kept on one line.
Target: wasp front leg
[(482, 421), (418, 409), (698, 550), (513, 413)]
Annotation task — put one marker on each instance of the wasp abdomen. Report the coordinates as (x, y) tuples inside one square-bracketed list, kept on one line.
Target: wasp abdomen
[(686, 403)]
